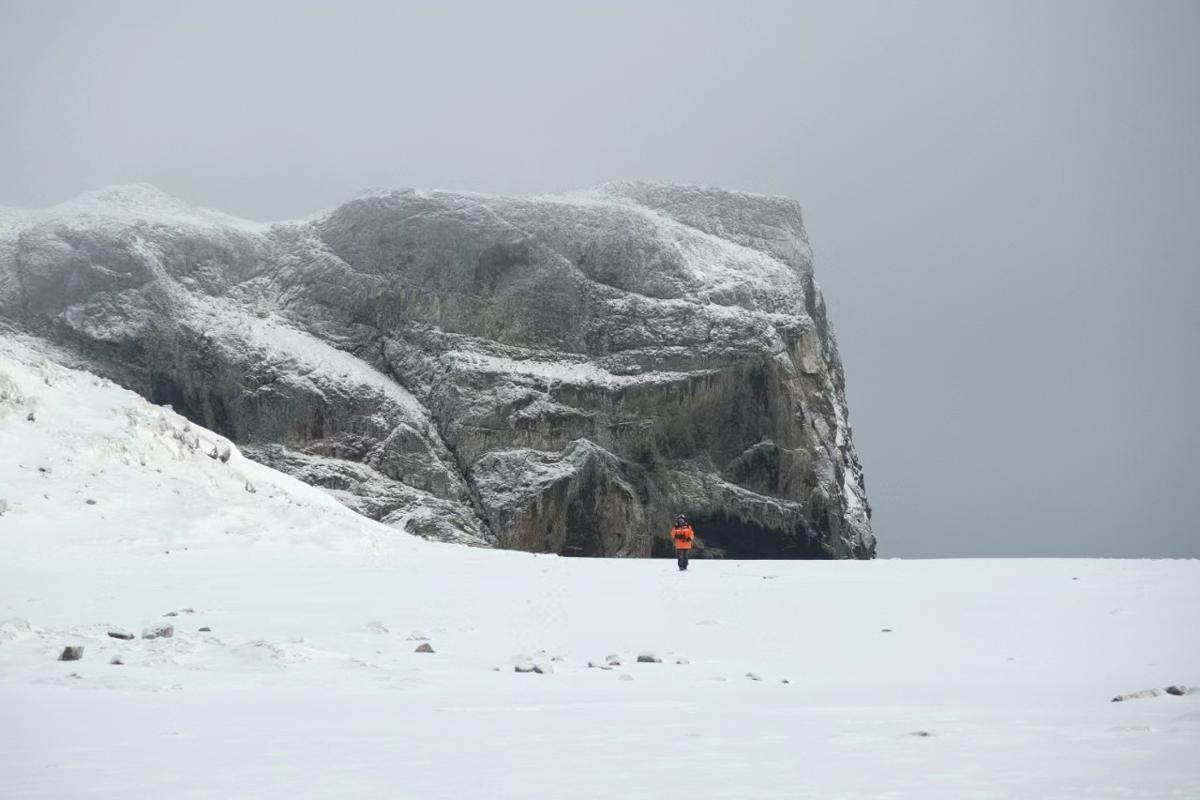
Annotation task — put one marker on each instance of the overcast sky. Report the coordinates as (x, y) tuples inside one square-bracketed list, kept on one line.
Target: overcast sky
[(1003, 198)]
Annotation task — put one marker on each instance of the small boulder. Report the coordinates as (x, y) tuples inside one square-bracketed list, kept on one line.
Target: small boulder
[(205, 629), (71, 653), (116, 661), (159, 632), (425, 647), (90, 501), (922, 734), (525, 668), (648, 658), (1178, 691), (682, 661), (754, 676), (120, 635)]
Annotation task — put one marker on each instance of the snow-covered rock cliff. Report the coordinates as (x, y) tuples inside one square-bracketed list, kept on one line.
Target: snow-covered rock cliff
[(544, 373)]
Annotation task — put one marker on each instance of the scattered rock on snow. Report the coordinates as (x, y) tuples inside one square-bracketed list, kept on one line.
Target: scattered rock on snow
[(90, 501), (71, 653), (525, 668), (205, 629), (116, 661), (599, 665), (1142, 695), (885, 630), (682, 661), (754, 676), (220, 451), (921, 733), (159, 632), (1178, 691), (648, 658), (120, 635), (424, 648)]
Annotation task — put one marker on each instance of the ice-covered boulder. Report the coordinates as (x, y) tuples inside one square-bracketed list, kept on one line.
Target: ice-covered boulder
[(559, 374)]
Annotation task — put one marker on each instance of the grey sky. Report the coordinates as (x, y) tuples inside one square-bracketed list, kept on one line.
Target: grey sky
[(1004, 198)]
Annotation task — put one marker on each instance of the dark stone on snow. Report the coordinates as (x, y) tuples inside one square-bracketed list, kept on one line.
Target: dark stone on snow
[(71, 653), (424, 648), (121, 635)]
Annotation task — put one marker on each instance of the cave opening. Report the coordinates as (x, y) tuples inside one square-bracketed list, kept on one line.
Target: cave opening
[(732, 537)]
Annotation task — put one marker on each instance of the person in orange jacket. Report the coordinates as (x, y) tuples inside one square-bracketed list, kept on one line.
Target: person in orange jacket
[(682, 534)]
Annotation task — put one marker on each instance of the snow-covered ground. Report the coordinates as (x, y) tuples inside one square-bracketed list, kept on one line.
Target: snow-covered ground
[(884, 679)]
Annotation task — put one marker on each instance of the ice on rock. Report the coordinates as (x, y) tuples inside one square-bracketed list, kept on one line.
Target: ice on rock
[(553, 373)]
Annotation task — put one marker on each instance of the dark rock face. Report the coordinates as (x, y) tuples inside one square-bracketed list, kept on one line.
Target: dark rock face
[(559, 374)]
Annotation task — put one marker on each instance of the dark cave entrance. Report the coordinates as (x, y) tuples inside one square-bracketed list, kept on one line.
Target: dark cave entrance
[(208, 411), (736, 538)]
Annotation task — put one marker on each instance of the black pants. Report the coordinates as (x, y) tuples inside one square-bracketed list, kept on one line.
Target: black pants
[(682, 554)]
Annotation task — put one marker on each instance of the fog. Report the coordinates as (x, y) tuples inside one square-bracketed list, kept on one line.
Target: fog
[(1003, 198)]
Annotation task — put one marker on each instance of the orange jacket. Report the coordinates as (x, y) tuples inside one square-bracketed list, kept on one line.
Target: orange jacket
[(683, 537)]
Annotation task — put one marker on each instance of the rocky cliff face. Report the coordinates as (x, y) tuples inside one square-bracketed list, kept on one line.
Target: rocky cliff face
[(558, 374)]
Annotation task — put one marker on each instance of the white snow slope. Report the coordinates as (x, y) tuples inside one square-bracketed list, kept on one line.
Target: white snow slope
[(994, 679)]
